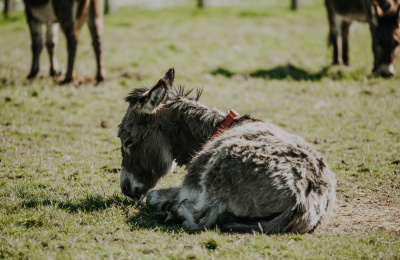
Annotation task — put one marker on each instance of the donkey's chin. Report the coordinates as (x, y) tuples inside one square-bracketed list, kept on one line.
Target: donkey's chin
[(129, 186), (135, 194)]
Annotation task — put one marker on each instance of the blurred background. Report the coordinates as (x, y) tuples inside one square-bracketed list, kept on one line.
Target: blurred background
[(112, 5)]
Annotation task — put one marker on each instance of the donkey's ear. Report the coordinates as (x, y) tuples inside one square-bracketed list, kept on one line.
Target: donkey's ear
[(373, 13), (169, 77), (378, 10), (155, 96), (398, 15)]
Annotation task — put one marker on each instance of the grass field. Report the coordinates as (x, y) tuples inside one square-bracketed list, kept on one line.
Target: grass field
[(59, 182)]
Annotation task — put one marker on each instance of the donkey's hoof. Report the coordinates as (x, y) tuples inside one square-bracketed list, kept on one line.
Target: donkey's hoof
[(55, 73), (173, 218), (166, 206), (64, 81), (32, 75), (159, 216), (100, 77)]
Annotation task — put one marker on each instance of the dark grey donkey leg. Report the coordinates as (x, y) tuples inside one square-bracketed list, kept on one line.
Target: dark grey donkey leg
[(345, 42), (336, 40), (72, 41), (95, 23), (335, 36), (71, 45), (35, 28), (51, 44)]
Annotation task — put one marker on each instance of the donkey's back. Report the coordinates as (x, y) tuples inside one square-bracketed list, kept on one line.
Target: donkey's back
[(257, 177)]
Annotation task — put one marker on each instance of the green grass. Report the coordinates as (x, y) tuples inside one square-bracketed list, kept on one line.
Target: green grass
[(59, 190)]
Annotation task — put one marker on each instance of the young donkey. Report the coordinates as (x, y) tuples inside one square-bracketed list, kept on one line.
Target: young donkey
[(253, 176), (70, 14)]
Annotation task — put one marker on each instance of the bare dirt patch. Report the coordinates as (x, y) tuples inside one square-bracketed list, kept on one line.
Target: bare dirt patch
[(368, 210)]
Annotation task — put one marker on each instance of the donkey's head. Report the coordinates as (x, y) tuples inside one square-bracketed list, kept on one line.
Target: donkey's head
[(146, 152), (386, 35)]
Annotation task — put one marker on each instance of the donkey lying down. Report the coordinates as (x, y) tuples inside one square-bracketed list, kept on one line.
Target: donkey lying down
[(254, 176)]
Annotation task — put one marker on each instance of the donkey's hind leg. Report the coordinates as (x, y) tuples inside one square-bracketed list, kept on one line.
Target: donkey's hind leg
[(95, 23), (162, 199), (200, 215)]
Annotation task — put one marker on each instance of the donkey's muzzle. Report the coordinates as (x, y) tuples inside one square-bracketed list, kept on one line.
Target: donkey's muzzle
[(135, 193), (385, 70)]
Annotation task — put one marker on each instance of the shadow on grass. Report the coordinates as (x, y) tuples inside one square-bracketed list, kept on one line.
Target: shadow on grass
[(145, 220), (142, 214), (280, 72), (88, 204)]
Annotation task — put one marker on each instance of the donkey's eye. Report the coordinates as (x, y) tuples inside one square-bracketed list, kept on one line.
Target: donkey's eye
[(128, 143)]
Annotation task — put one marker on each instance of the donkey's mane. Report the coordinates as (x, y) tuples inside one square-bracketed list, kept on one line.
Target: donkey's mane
[(180, 91), (177, 92), (179, 98)]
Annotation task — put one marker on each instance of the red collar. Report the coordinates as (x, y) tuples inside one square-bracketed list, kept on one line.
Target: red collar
[(229, 119)]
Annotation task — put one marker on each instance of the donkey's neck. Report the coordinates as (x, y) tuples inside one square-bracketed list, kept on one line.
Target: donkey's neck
[(194, 124)]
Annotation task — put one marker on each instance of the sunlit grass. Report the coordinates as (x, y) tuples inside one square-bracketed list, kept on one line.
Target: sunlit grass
[(59, 187)]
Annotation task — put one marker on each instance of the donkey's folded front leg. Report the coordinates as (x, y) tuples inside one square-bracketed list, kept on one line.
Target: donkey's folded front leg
[(187, 213), (162, 199)]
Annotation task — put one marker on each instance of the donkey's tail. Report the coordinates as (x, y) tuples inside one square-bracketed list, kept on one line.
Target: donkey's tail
[(82, 15)]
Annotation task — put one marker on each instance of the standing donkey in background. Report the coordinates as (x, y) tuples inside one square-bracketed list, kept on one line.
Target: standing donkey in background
[(70, 14), (252, 176), (383, 17)]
